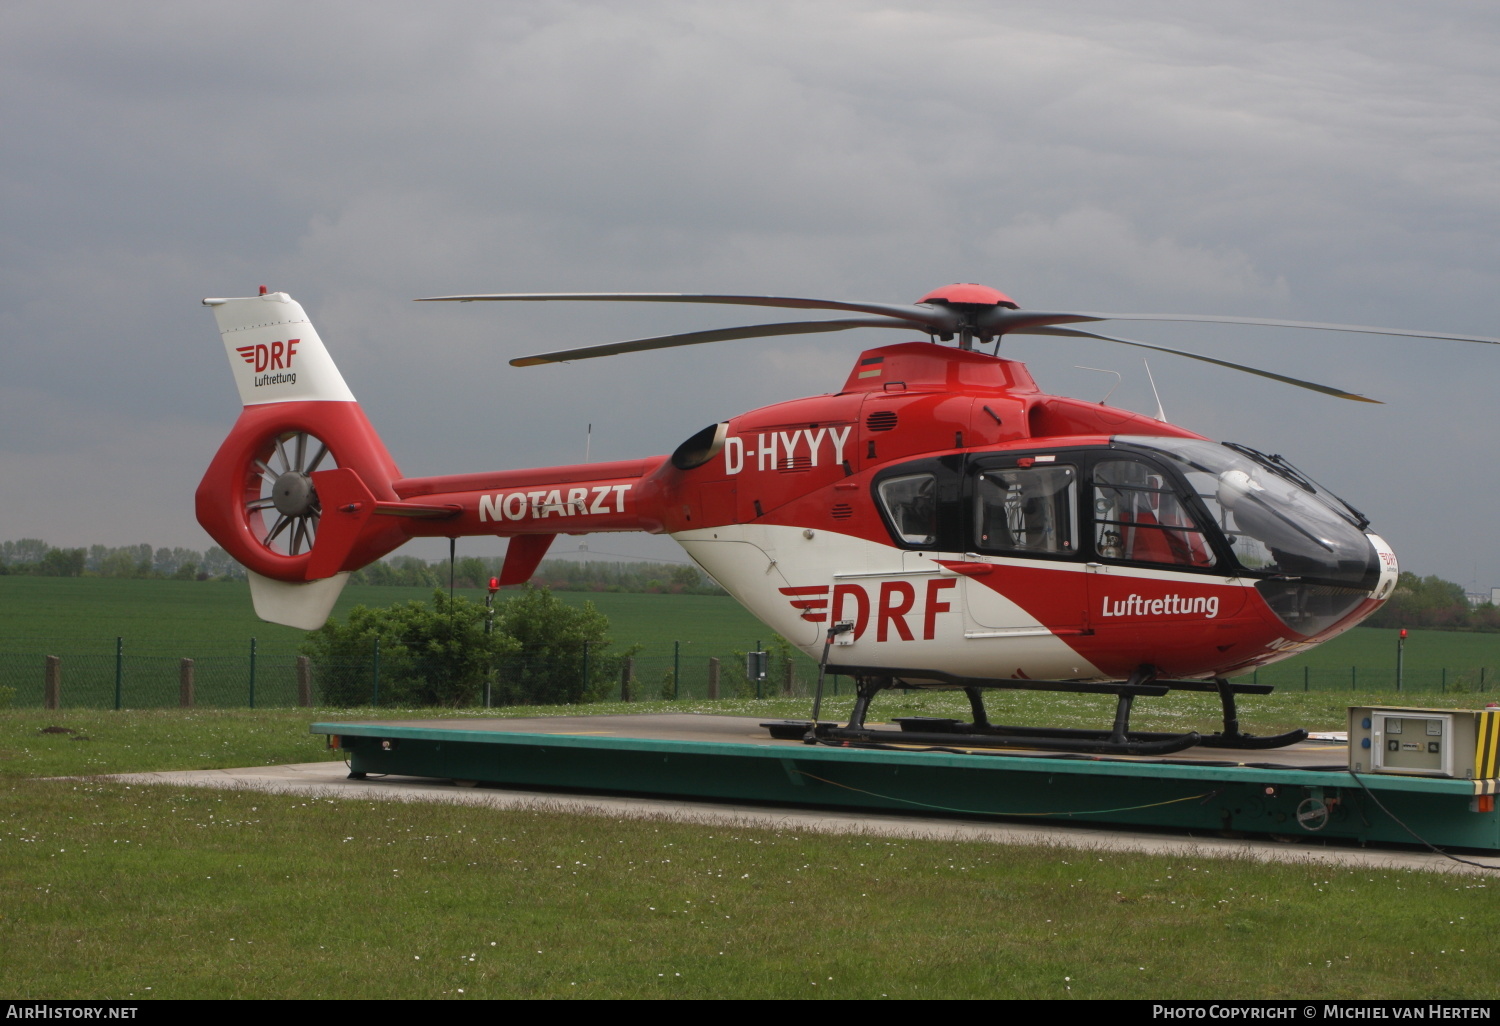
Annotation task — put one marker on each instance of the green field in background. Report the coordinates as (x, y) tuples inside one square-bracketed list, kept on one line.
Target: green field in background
[(186, 618), (193, 618)]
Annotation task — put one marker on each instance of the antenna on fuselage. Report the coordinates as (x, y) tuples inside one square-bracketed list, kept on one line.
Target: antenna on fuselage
[(1101, 370), (1161, 414)]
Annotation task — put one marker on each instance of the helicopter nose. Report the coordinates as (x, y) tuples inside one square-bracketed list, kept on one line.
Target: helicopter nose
[(1390, 570)]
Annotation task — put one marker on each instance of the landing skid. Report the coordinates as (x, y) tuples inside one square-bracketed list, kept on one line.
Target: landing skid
[(1119, 739)]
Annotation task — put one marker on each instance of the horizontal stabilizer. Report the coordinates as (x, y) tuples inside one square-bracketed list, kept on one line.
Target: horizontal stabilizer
[(522, 556)]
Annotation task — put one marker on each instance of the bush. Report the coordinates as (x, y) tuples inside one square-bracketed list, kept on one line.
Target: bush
[(437, 655), (547, 664), (440, 654)]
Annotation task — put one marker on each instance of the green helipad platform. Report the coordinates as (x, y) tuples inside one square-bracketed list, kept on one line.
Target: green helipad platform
[(1305, 790)]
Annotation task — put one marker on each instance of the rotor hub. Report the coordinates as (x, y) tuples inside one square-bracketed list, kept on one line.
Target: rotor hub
[(293, 494), (969, 295)]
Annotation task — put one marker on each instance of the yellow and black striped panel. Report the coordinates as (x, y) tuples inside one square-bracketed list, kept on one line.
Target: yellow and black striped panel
[(1487, 748)]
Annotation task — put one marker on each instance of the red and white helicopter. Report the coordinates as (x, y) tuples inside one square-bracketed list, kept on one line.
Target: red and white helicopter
[(937, 522)]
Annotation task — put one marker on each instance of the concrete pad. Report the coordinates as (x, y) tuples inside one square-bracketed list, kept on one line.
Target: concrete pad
[(330, 779)]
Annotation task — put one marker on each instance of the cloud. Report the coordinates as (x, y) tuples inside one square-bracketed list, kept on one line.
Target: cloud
[(1326, 162)]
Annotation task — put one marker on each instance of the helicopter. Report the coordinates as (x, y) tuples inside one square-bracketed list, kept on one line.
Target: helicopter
[(938, 522)]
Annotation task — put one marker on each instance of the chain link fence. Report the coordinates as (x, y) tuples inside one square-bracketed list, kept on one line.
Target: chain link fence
[(111, 675), (1376, 678), (69, 675)]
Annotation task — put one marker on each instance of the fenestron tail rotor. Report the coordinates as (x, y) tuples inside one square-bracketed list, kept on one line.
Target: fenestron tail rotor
[(971, 314), (281, 505)]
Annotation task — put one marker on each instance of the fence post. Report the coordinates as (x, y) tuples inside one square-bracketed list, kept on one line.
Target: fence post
[(185, 684), (713, 678), (1304, 678), (1353, 679), (52, 687), (304, 682), (676, 667), (252, 673), (627, 674), (789, 677), (1444, 687), (119, 671), (375, 692), (758, 679), (585, 668)]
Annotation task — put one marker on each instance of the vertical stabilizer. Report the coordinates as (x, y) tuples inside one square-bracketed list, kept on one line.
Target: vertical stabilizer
[(275, 352)]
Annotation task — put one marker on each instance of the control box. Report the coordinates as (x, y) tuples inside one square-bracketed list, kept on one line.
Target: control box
[(1460, 743)]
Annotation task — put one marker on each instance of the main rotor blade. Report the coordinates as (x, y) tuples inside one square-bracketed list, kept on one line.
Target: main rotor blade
[(1002, 319), (926, 315), (693, 338), (1080, 333)]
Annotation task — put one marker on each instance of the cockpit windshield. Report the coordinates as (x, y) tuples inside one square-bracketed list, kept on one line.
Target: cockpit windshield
[(1275, 519)]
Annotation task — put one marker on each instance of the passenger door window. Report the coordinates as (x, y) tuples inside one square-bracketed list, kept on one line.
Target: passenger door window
[(1027, 510)]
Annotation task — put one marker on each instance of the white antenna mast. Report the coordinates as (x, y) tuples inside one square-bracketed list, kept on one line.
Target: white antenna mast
[(1161, 414), (588, 441)]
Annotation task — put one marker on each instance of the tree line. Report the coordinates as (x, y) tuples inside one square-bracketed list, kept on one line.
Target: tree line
[(34, 557), (1434, 603)]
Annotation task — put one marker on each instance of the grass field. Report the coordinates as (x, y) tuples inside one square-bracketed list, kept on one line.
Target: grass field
[(135, 741), (187, 618), (212, 622), (123, 891)]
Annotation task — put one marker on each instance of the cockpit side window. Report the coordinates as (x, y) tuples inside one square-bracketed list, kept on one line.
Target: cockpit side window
[(911, 506), (1027, 509), (1138, 517)]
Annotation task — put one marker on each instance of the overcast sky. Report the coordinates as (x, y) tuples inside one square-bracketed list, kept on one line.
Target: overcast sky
[(1320, 161)]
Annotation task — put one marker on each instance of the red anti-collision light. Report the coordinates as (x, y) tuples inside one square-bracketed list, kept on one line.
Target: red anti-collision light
[(494, 584)]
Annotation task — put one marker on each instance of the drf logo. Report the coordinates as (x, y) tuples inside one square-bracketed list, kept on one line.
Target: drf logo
[(273, 356), (895, 601)]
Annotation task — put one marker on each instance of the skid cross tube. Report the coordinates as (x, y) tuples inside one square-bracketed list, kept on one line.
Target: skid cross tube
[(982, 733)]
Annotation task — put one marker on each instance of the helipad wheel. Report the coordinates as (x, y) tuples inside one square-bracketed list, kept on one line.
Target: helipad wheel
[(280, 504)]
